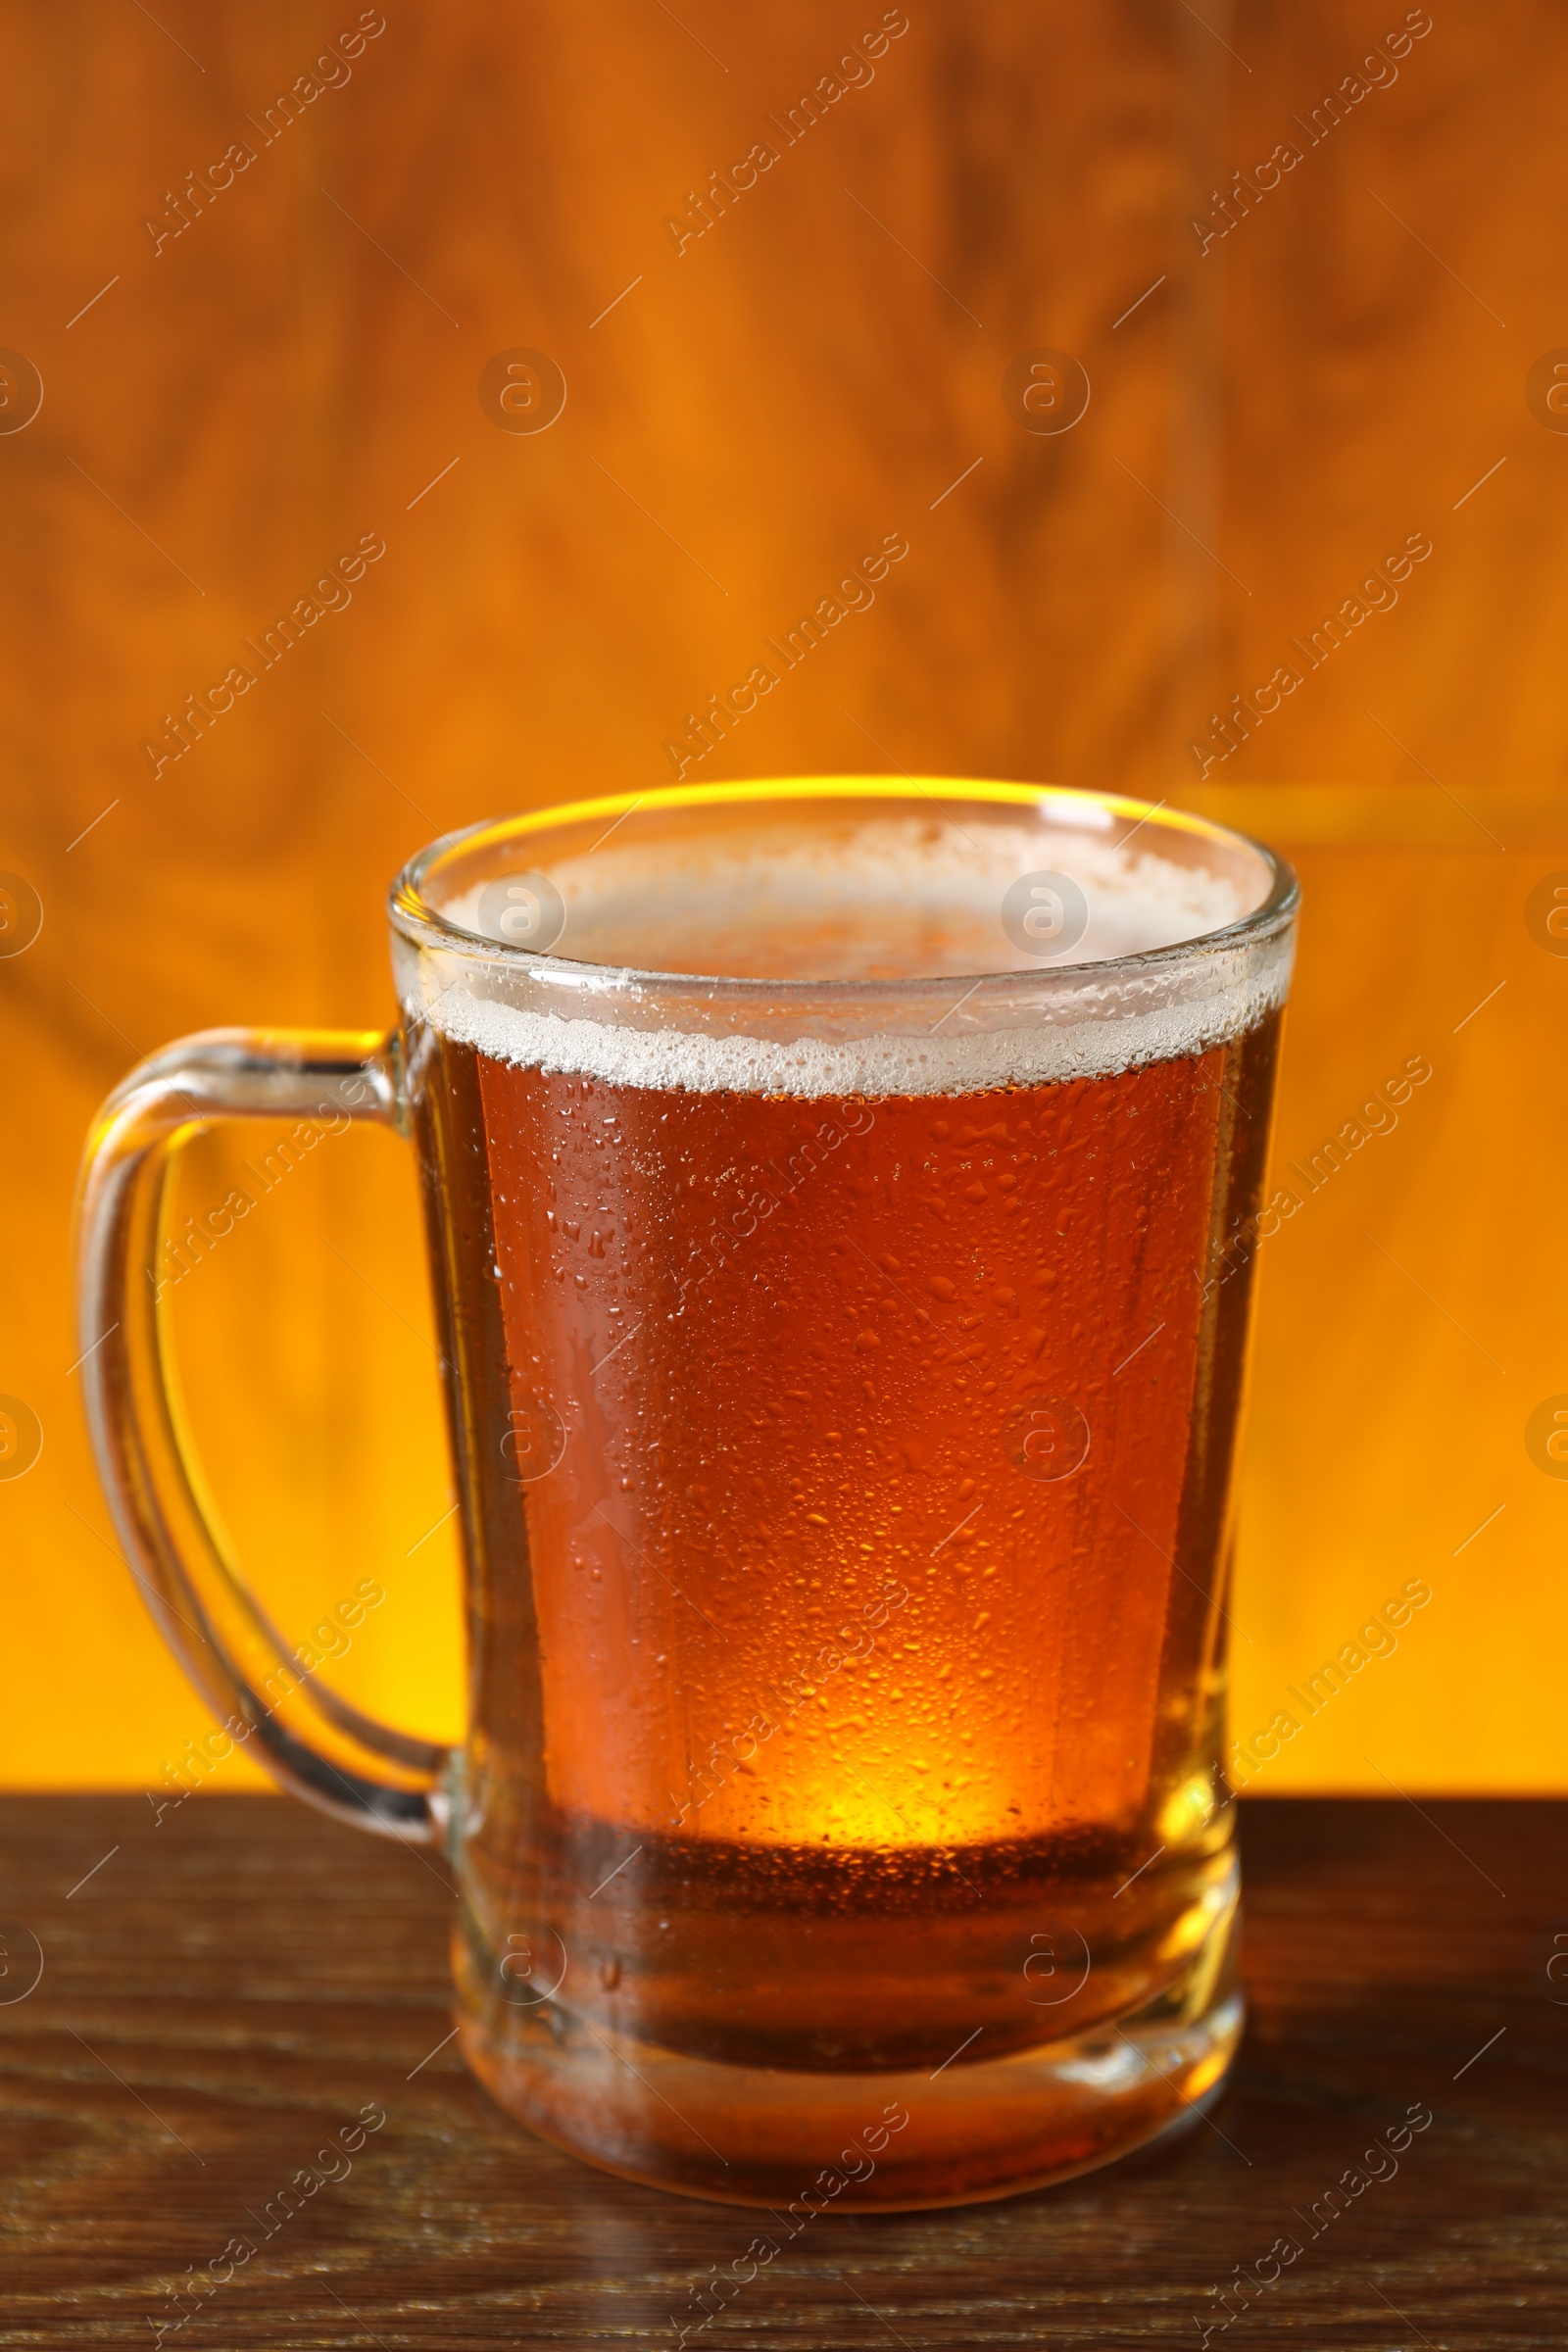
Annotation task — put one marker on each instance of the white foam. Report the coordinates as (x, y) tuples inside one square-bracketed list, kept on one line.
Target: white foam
[(876, 1065), (904, 893), (884, 895)]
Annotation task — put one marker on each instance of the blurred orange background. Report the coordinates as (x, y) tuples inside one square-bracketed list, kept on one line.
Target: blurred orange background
[(1273, 412)]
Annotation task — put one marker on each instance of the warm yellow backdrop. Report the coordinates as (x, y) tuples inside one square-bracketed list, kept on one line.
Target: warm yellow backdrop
[(1272, 413)]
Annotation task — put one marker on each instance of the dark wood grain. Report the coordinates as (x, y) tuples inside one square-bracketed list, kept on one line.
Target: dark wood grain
[(234, 1983)]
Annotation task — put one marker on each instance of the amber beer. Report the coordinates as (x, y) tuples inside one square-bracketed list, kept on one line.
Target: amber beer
[(847, 1477), (840, 1195)]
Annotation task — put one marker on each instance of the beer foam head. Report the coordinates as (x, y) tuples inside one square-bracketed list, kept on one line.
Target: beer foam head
[(890, 898), (843, 942)]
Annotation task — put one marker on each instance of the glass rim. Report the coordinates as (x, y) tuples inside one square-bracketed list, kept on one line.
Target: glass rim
[(424, 925)]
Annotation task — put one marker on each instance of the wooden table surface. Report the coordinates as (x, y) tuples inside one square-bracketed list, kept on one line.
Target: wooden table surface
[(224, 1990)]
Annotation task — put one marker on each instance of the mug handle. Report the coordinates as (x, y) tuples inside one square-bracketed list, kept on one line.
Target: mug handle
[(355, 1767)]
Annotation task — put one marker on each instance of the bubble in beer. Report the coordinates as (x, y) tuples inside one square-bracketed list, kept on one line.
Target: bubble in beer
[(20, 1962), (1546, 913), (1044, 391), (1046, 1439), (1057, 1968), (21, 1438), (522, 910), (1546, 1437), (534, 1442), (1044, 914), (530, 1966), (522, 391), (21, 391), (20, 914)]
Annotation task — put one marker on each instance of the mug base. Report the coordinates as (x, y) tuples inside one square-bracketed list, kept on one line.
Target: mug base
[(799, 2143)]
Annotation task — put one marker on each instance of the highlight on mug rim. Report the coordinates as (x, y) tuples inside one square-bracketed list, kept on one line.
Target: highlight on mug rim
[(1064, 808)]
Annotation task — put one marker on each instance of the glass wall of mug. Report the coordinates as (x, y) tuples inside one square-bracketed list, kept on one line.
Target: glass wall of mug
[(830, 1188)]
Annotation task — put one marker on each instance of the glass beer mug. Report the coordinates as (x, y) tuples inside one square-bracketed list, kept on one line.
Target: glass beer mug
[(828, 1191)]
